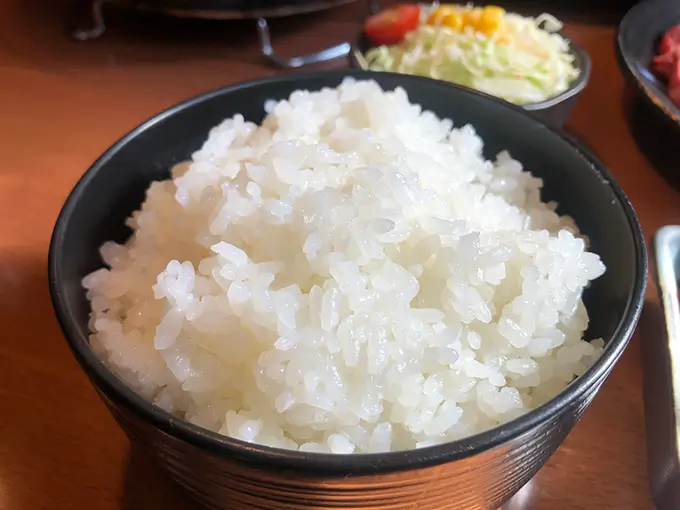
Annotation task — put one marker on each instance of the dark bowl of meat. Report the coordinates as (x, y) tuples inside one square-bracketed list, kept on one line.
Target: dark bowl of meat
[(648, 51)]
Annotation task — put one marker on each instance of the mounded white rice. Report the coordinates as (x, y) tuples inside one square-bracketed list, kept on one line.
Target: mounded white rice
[(351, 276)]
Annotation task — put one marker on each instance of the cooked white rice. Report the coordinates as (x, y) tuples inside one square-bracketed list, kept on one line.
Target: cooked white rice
[(351, 276)]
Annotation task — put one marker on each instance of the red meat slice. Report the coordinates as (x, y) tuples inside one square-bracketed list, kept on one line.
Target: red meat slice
[(664, 64), (670, 40), (669, 52), (674, 85), (667, 62)]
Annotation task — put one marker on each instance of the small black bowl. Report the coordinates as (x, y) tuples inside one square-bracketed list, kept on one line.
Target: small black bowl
[(555, 110), (479, 472), (654, 119)]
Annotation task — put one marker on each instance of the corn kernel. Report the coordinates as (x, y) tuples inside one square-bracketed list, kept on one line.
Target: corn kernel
[(491, 20), (471, 18), (453, 20), (438, 15)]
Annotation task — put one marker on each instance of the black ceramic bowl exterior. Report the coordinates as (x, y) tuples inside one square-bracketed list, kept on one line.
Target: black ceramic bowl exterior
[(480, 472), (654, 119), (554, 111)]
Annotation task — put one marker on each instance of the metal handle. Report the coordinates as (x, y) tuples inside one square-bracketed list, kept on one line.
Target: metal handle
[(87, 20), (340, 50), (337, 51)]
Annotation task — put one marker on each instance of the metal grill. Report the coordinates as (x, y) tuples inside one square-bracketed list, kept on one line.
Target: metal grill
[(88, 20)]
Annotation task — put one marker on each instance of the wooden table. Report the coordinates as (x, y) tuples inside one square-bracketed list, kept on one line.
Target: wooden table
[(63, 103)]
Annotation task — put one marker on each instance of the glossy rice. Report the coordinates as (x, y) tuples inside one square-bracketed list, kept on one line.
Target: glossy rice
[(350, 276)]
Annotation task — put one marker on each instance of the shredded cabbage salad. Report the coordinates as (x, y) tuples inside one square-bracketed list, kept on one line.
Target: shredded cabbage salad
[(530, 62)]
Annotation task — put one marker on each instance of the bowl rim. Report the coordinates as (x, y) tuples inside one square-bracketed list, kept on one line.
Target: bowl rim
[(575, 88), (117, 392), (630, 66)]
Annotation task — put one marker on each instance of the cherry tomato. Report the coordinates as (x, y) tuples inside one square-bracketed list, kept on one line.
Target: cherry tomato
[(392, 25)]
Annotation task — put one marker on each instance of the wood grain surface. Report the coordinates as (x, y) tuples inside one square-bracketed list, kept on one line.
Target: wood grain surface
[(62, 103)]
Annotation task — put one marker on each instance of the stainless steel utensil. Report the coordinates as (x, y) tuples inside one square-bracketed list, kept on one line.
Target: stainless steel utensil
[(661, 364)]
